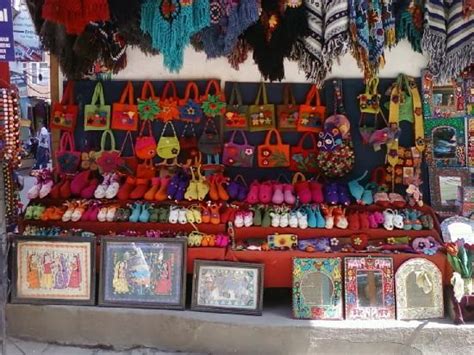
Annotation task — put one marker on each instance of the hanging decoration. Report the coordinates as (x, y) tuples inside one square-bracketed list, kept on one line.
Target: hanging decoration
[(409, 22)]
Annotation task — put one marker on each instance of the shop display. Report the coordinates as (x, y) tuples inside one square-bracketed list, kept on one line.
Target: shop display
[(444, 184), (54, 270), (227, 287), (419, 290), (145, 273)]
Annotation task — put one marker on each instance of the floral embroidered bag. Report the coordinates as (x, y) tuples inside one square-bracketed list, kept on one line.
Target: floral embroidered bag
[(64, 113), (168, 104), (148, 103), (240, 155), (125, 112), (108, 160), (190, 110), (288, 112), (237, 114), (213, 105), (261, 115), (275, 155), (304, 159), (311, 115), (97, 113), (67, 157)]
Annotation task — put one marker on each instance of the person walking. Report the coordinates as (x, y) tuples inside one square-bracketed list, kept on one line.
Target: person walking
[(42, 153)]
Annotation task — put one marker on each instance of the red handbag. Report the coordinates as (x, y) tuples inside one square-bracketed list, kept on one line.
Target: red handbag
[(190, 110), (304, 159), (288, 113), (145, 146), (130, 163), (125, 115), (168, 104), (311, 117), (273, 155), (67, 158), (64, 113)]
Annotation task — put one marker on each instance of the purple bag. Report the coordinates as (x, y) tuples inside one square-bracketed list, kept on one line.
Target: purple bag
[(240, 155)]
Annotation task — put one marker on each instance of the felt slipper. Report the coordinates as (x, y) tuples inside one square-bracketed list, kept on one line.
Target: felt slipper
[(388, 219), (316, 191), (145, 213), (213, 191), (331, 196), (396, 200), (136, 211), (266, 192), (113, 188), (303, 191), (70, 206), (355, 188), (162, 193), (155, 185), (126, 188), (320, 221), (328, 215), (172, 187), (381, 199), (33, 192), (205, 214), (289, 194), (239, 219), (368, 194), (354, 220), (254, 192), (340, 219), (302, 219), (364, 220), (99, 192), (312, 221), (65, 189), (215, 216), (79, 182), (243, 192), (248, 218), (257, 215), (266, 218), (293, 219), (221, 190), (278, 197), (45, 188), (344, 198), (203, 186), (88, 191), (154, 213), (140, 189), (182, 186)]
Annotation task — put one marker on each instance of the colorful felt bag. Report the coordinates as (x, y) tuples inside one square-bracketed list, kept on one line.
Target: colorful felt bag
[(288, 112), (240, 155), (210, 140), (145, 145), (188, 143), (108, 160), (97, 113), (64, 113), (369, 101), (168, 146), (304, 159), (148, 103), (168, 104), (190, 110), (129, 165), (213, 105), (275, 155), (261, 115), (311, 116), (125, 112), (236, 116), (67, 158)]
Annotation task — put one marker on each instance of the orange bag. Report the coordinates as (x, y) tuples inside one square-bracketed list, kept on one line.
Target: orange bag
[(273, 155), (168, 104), (311, 117), (125, 112)]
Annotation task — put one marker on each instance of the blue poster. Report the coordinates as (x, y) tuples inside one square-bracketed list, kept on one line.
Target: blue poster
[(7, 48)]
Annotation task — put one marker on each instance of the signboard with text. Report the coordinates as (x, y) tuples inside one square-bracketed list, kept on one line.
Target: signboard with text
[(7, 49)]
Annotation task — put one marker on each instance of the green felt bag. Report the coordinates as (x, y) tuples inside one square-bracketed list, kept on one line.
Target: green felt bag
[(97, 113)]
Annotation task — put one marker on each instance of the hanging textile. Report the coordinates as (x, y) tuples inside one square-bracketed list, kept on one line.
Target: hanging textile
[(171, 23), (239, 53), (409, 22)]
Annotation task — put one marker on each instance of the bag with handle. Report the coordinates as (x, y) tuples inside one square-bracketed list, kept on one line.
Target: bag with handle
[(67, 158), (213, 105), (129, 165), (168, 146), (97, 113), (190, 110), (237, 114), (145, 145), (369, 101), (188, 143), (169, 104), (369, 104), (108, 160), (125, 112), (64, 113), (148, 103), (261, 115), (311, 115), (288, 112), (304, 159), (276, 155), (240, 155), (210, 140)]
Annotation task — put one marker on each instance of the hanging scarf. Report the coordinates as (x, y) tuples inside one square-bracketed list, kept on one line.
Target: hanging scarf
[(409, 22), (239, 53), (171, 23), (388, 20), (448, 38)]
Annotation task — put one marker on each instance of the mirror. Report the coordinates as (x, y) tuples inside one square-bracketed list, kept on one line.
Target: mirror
[(369, 288), (445, 184), (444, 142), (457, 227), (448, 189)]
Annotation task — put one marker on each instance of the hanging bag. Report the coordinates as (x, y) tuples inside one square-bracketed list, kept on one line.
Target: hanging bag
[(64, 113), (311, 117), (237, 114), (130, 163), (125, 112), (168, 146), (369, 104), (145, 146), (168, 104), (304, 159), (261, 115), (108, 160), (188, 143), (190, 110), (67, 158), (148, 104), (240, 155), (213, 105), (210, 140), (97, 114), (288, 113), (273, 155)]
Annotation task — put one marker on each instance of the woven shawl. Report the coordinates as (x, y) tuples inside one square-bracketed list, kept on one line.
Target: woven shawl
[(448, 38), (409, 22)]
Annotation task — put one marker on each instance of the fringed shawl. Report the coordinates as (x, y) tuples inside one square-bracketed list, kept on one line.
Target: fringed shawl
[(409, 22)]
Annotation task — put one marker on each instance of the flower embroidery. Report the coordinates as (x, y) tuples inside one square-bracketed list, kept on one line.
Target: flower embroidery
[(334, 242), (168, 110), (266, 153), (68, 162), (148, 109), (248, 151), (191, 112), (213, 106), (88, 161), (108, 161)]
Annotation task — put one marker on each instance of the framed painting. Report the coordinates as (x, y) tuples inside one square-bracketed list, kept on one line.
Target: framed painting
[(143, 273), (227, 287), (444, 186), (53, 270), (419, 290), (317, 288), (369, 288)]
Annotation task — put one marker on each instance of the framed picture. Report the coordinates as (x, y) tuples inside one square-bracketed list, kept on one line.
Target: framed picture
[(369, 289), (143, 273), (227, 287), (419, 290), (54, 270), (317, 288), (444, 185)]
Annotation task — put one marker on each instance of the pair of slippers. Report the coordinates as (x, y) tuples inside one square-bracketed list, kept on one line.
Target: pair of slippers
[(336, 194), (237, 190), (177, 186), (362, 195)]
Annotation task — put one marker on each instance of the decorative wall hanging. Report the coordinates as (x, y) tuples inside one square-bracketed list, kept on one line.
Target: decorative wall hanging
[(419, 290), (456, 228), (369, 288), (227, 287), (125, 112), (444, 184), (236, 116), (317, 288), (261, 115), (64, 113), (97, 114), (288, 112), (409, 22), (143, 273), (54, 270), (275, 155)]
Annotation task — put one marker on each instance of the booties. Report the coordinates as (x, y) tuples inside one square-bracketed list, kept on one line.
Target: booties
[(331, 195), (65, 189), (162, 192), (243, 192), (320, 221), (266, 192), (364, 220), (213, 190), (344, 198), (136, 212), (150, 194), (55, 190), (354, 221), (233, 189), (340, 218), (88, 191), (316, 191), (113, 188), (140, 189), (356, 188), (221, 191), (126, 189), (278, 196), (182, 186), (253, 195), (34, 191), (47, 184), (289, 194), (303, 192), (79, 182), (99, 192), (312, 220)]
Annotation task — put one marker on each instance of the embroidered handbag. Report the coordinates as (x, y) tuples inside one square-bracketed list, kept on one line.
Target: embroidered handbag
[(261, 116), (188, 143), (273, 155), (125, 112), (148, 104), (130, 162), (213, 104), (97, 113), (210, 140), (64, 113), (108, 160), (369, 101), (67, 158), (145, 145), (287, 114), (240, 155), (237, 113), (168, 146), (304, 159), (311, 117), (190, 110), (168, 104)]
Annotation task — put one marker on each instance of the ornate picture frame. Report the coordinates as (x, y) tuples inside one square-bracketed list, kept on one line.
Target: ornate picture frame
[(317, 288), (143, 272), (227, 287), (419, 290), (444, 185), (369, 288), (53, 270)]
